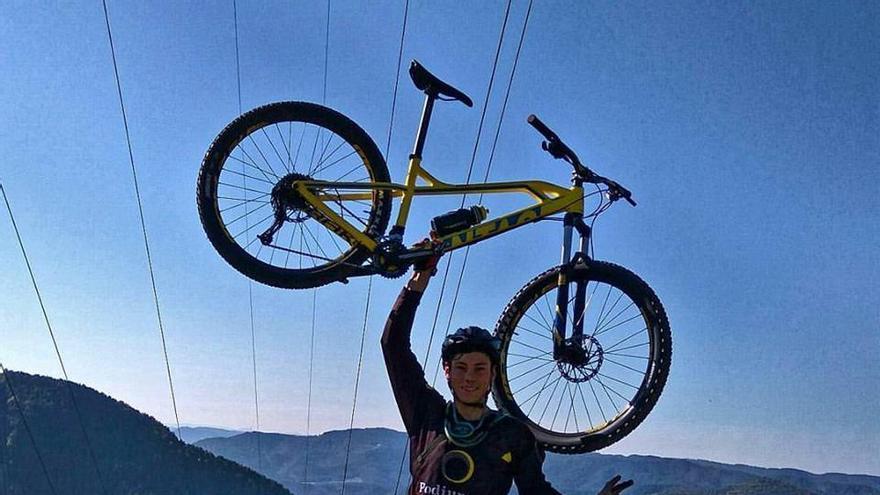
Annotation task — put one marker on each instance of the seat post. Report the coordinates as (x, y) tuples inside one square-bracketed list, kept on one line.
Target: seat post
[(423, 124)]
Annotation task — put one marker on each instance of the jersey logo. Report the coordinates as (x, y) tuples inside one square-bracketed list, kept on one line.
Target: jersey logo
[(507, 457)]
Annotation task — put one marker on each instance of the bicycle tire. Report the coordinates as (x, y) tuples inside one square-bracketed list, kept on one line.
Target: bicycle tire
[(657, 354), (244, 154)]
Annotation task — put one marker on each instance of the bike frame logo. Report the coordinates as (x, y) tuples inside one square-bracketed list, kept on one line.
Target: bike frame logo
[(489, 229)]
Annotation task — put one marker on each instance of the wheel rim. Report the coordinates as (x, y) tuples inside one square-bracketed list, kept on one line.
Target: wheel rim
[(571, 398), (280, 152)]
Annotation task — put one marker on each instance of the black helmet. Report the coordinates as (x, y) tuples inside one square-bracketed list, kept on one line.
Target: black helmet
[(471, 339)]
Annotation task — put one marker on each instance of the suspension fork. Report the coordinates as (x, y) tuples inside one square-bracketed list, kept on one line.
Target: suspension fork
[(571, 222)]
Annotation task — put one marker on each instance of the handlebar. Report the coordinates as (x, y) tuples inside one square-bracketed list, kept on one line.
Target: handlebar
[(542, 128), (559, 150)]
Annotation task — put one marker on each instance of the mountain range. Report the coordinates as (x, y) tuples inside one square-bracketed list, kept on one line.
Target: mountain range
[(375, 458), (53, 444)]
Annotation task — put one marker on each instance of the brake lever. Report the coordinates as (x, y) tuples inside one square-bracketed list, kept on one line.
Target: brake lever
[(555, 148), (616, 191)]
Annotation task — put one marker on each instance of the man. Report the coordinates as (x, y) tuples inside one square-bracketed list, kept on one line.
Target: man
[(461, 447)]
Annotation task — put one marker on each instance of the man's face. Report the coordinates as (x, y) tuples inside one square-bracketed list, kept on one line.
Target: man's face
[(470, 377)]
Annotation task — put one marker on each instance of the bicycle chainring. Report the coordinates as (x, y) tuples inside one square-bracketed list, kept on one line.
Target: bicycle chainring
[(387, 260)]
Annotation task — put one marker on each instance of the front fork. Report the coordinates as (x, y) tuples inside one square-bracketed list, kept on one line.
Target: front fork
[(571, 222)]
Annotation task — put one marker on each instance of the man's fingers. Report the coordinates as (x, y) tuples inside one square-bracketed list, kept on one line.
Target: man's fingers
[(623, 486), (613, 481)]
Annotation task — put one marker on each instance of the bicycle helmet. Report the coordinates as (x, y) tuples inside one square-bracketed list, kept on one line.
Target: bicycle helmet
[(471, 339)]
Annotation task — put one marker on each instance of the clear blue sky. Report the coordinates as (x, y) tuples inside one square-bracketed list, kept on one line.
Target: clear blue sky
[(748, 133)]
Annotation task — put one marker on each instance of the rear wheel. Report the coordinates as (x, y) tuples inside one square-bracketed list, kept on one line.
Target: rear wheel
[(612, 378), (245, 198)]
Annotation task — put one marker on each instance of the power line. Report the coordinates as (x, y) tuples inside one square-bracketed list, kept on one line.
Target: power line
[(54, 342), (470, 169), (27, 428), (488, 167), (257, 437), (357, 383), (141, 215)]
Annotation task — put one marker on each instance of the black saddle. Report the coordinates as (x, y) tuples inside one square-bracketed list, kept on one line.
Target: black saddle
[(431, 84)]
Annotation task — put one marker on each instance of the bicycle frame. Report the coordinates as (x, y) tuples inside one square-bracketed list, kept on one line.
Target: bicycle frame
[(550, 199)]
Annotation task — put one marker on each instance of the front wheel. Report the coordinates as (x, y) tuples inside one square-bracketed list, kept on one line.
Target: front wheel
[(254, 220), (582, 404)]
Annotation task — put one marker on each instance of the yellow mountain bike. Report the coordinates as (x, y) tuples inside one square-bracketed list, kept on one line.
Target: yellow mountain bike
[(296, 195)]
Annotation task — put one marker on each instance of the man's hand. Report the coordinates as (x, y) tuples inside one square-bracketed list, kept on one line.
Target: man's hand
[(613, 488), (428, 263), (424, 268)]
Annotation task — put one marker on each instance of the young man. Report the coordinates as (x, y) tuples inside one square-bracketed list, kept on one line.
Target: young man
[(461, 447)]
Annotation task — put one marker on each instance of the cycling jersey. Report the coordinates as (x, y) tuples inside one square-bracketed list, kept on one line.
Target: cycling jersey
[(438, 466)]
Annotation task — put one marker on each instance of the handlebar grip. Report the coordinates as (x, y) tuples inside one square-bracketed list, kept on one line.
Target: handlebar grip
[(543, 129)]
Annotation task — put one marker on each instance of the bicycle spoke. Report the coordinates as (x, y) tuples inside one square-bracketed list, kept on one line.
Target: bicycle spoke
[(243, 203), (646, 358), (550, 311), (314, 148), (272, 144), (617, 381), (607, 360), (571, 411), (555, 386), (299, 146), (510, 380), (543, 336), (289, 246), (634, 346), (324, 149), (247, 213), (325, 167), (602, 310), (614, 346), (536, 395), (241, 187), (559, 406), (528, 345), (260, 151), (312, 235), (587, 409), (602, 320), (236, 172), (337, 148), (351, 213), (251, 164), (539, 357), (545, 325), (599, 404), (286, 145), (605, 328)]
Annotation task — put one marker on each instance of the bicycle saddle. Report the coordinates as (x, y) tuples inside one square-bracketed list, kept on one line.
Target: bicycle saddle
[(431, 84)]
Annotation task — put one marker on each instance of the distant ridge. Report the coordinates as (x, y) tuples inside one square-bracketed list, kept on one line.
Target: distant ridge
[(192, 434), (376, 453), (135, 453)]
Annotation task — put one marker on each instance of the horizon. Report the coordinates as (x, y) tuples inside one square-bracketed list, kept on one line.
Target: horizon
[(746, 133)]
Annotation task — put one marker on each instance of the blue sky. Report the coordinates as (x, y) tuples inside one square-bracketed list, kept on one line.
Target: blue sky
[(747, 132)]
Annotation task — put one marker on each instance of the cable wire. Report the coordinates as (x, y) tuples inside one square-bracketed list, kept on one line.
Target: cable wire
[(470, 171), (488, 167), (67, 383), (141, 215), (309, 400), (356, 384), (27, 428), (257, 437)]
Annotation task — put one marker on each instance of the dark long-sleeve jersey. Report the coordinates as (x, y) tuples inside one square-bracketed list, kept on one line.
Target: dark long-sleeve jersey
[(438, 467)]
